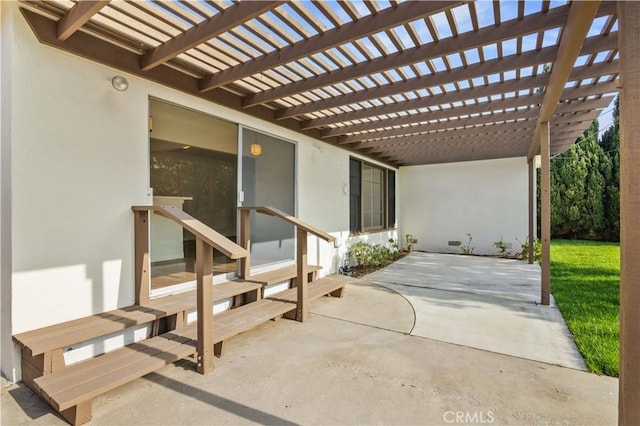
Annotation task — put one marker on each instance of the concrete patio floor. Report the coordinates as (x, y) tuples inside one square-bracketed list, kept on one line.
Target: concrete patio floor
[(482, 302), (355, 361)]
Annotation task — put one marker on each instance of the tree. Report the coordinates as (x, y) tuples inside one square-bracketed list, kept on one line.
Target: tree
[(579, 182), (610, 143), (585, 186)]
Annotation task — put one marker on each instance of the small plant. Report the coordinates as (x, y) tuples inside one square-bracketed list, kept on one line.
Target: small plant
[(369, 255), (537, 249), (466, 248), (502, 247), (410, 242)]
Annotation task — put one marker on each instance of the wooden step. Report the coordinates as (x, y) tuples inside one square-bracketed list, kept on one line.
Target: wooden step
[(280, 275), (80, 383), (86, 380), (71, 390), (80, 330), (183, 302), (316, 289)]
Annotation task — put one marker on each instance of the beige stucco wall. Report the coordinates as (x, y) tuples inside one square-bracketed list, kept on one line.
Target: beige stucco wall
[(444, 202), (80, 161)]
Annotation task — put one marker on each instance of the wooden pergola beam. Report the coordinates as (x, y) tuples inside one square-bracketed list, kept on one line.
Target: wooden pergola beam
[(478, 133), (593, 45), (220, 23), (464, 151), (531, 198), (581, 15), (513, 141), (629, 384), (434, 129), (77, 16), (96, 49), (513, 28), (545, 212), (379, 129), (567, 113), (388, 18)]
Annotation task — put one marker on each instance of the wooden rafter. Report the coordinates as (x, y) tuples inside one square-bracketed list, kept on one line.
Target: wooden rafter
[(566, 124), (374, 81), (511, 29), (364, 27), (77, 16), (592, 45), (212, 27), (581, 16), (570, 93), (413, 104)]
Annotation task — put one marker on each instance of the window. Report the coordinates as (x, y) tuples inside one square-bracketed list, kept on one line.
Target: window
[(372, 197)]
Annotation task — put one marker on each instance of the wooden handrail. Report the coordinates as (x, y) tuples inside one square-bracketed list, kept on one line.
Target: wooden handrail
[(272, 211), (302, 230), (199, 229), (206, 241)]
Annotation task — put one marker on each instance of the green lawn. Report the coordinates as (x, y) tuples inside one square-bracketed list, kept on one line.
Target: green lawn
[(585, 281)]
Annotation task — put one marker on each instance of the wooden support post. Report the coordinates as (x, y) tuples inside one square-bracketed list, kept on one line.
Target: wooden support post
[(532, 210), (78, 414), (245, 242), (40, 365), (302, 278), (629, 384), (142, 263), (545, 201), (204, 276)]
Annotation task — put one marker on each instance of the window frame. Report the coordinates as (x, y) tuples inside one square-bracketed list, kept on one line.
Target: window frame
[(356, 198)]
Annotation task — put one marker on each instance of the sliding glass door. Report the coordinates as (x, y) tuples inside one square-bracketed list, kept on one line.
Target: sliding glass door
[(199, 164), (193, 166), (268, 179)]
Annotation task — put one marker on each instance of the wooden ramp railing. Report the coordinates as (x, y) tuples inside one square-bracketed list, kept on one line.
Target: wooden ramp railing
[(206, 241), (302, 231)]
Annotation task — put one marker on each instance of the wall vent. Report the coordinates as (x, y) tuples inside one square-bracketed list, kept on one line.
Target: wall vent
[(455, 243)]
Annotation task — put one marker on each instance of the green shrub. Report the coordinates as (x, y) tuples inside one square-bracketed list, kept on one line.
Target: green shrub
[(537, 249), (369, 255)]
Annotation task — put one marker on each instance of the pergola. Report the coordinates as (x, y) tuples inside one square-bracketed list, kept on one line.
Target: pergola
[(404, 83)]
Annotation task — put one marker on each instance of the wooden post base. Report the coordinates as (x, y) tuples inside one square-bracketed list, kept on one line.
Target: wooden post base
[(80, 414)]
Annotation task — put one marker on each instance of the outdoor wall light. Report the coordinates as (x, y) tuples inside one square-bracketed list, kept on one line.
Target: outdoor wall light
[(256, 149), (120, 83)]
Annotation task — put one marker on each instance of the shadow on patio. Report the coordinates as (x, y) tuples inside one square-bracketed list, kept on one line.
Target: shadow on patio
[(482, 302)]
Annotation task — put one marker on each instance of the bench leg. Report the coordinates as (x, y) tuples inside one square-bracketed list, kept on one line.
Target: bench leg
[(40, 365), (217, 349), (238, 301), (78, 415), (337, 293), (253, 296)]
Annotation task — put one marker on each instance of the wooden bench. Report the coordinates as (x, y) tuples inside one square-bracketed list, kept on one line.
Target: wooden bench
[(71, 390), (42, 349)]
